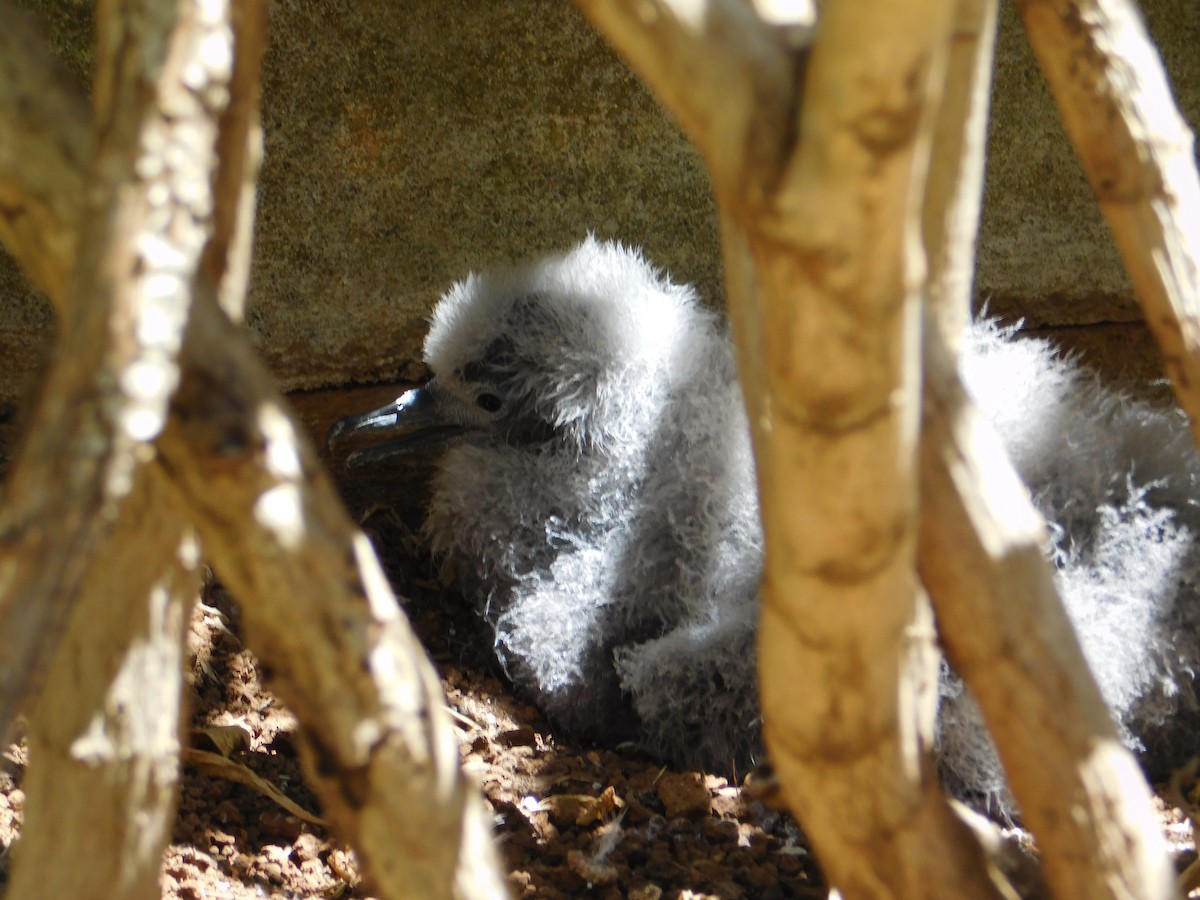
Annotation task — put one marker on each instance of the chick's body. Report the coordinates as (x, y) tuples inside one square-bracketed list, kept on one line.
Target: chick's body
[(608, 520)]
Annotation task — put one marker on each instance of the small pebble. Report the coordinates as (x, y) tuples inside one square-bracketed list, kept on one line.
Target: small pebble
[(684, 794)]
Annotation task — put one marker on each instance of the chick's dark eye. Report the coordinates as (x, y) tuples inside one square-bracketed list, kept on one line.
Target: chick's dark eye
[(488, 402)]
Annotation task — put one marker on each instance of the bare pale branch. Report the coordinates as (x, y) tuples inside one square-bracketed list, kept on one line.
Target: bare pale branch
[(107, 724), (819, 224), (981, 556), (106, 397), (839, 271), (954, 190), (377, 747), (1138, 154), (692, 52), (226, 260)]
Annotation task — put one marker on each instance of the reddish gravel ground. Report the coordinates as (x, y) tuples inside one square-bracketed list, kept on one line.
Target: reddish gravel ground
[(571, 820)]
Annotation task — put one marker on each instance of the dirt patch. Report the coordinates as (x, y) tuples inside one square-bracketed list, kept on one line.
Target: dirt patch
[(570, 820)]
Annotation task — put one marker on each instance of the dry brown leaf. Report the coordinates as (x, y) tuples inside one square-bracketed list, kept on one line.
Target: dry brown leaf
[(580, 809), (596, 808), (217, 766), (226, 738)]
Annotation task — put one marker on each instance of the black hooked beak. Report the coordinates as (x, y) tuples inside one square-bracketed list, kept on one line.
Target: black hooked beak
[(414, 413)]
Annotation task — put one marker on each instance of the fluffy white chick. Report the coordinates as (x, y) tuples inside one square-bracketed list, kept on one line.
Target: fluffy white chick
[(597, 496)]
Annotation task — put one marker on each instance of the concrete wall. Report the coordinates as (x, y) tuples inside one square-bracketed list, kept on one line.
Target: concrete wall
[(406, 148), (410, 142)]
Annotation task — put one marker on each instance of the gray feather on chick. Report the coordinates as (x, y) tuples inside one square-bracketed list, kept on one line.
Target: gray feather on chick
[(598, 498)]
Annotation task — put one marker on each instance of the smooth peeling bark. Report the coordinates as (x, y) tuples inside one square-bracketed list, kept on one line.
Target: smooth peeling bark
[(981, 556), (1138, 153), (104, 736), (377, 744), (107, 723), (817, 163), (1005, 631)]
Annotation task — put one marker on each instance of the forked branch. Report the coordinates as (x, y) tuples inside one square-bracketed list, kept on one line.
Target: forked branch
[(375, 741)]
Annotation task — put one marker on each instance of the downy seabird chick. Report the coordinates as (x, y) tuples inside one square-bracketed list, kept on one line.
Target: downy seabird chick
[(1118, 481), (597, 496)]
